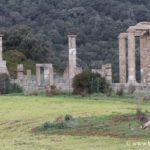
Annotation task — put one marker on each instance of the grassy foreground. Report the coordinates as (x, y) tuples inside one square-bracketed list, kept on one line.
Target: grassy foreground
[(19, 115)]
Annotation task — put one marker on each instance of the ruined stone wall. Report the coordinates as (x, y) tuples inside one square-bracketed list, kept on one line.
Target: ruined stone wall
[(105, 71)]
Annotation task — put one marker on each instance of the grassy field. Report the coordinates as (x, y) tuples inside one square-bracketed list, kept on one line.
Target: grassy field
[(19, 115)]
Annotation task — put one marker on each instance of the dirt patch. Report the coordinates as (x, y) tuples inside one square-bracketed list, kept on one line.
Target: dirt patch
[(123, 118)]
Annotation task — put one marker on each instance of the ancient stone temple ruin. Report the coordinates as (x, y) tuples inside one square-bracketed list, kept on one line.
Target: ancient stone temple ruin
[(3, 67), (127, 53), (105, 71), (48, 74), (46, 77)]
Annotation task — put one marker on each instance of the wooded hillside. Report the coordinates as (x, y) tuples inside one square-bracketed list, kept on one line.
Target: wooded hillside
[(39, 28)]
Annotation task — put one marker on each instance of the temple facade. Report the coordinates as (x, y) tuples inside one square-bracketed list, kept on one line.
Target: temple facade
[(127, 53)]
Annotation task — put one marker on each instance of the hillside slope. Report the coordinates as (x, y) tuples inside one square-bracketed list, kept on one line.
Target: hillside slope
[(97, 23)]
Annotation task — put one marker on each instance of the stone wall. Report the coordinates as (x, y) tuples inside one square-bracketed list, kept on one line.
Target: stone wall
[(105, 71)]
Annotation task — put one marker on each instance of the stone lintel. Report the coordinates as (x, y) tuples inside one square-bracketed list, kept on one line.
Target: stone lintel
[(131, 29), (123, 35), (44, 65)]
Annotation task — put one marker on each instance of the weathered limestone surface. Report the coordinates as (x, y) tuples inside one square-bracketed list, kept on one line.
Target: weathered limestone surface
[(131, 57), (38, 75), (51, 75), (122, 57), (20, 72), (48, 74), (145, 58), (29, 74), (72, 56), (3, 67), (142, 31), (105, 71)]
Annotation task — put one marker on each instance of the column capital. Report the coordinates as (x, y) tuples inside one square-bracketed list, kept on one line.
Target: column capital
[(72, 36)]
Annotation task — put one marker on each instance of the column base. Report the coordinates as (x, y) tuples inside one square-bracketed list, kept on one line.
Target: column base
[(133, 82)]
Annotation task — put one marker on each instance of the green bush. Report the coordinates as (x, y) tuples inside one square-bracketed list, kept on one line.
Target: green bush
[(120, 90), (14, 88), (6, 87), (131, 89), (4, 83), (62, 122), (88, 83), (53, 125), (68, 117), (13, 58)]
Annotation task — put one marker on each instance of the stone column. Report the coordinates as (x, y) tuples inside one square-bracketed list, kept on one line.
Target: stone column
[(131, 58), (122, 57), (20, 74), (109, 73), (29, 74), (72, 56), (38, 75), (3, 67), (1, 47), (51, 75)]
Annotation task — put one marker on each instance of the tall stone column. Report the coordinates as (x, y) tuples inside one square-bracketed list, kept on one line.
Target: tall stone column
[(3, 67), (131, 58), (51, 75), (122, 57), (72, 56), (38, 75), (1, 47)]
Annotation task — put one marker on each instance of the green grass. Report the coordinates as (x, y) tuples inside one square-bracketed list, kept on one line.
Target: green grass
[(19, 115), (121, 126)]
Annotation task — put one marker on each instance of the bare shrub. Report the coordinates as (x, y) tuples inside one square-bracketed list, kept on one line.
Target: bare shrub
[(60, 118), (120, 90), (109, 91), (141, 116), (51, 90), (33, 93), (54, 90), (131, 89), (145, 98)]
